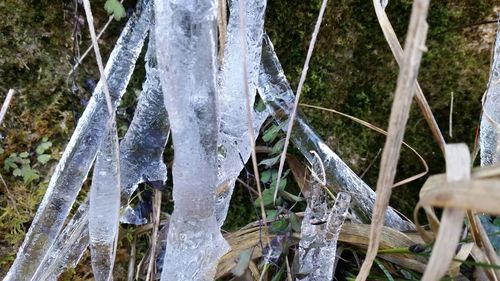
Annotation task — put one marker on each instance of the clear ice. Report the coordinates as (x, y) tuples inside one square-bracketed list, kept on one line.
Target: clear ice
[(233, 136), (81, 150), (141, 150), (104, 206), (185, 34), (275, 90), (489, 138)]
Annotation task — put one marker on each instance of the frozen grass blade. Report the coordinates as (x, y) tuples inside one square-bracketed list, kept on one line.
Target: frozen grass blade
[(415, 45)]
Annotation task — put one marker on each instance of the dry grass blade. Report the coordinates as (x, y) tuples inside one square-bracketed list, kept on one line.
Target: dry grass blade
[(397, 51), (383, 132), (415, 45), (6, 104), (297, 97), (154, 236), (457, 169)]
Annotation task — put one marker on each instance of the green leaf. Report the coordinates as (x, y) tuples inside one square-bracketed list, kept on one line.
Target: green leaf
[(279, 226), (43, 158), (267, 195), (290, 197), (17, 172), (294, 222), (282, 184), (29, 174), (278, 146), (116, 8), (270, 161), (271, 214), (41, 148), (260, 106), (24, 154), (271, 133), (496, 221), (243, 262), (265, 176)]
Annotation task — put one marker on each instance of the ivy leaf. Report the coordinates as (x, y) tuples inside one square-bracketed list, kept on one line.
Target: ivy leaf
[(43, 158), (116, 8), (265, 176), (267, 197)]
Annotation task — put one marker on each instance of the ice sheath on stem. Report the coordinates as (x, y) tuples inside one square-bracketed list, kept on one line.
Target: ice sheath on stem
[(275, 90), (81, 150), (185, 35), (233, 136), (141, 153)]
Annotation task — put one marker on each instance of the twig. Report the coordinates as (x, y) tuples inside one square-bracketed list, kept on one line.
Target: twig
[(5, 104), (415, 45), (297, 98), (154, 238), (131, 262), (451, 116)]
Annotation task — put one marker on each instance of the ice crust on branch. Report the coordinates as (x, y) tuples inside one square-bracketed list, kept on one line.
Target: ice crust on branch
[(81, 150), (185, 35), (275, 90), (233, 137)]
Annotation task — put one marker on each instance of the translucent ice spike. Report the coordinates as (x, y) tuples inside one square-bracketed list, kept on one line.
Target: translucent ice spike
[(140, 159), (81, 149), (141, 150), (104, 206), (68, 248), (234, 143), (489, 139), (276, 92), (186, 49)]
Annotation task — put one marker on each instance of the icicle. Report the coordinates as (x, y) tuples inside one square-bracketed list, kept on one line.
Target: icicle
[(68, 248), (489, 138), (234, 145), (140, 157), (276, 92), (81, 150), (104, 206), (141, 150), (186, 49)]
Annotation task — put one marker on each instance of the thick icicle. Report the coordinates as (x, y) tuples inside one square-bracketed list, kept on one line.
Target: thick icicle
[(489, 138), (141, 150), (140, 158), (276, 92), (81, 150), (68, 248), (186, 48), (233, 138), (104, 206), (318, 243)]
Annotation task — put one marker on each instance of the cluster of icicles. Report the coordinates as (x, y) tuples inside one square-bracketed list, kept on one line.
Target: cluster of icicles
[(187, 94)]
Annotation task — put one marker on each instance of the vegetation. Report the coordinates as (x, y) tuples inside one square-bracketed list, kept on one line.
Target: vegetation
[(352, 71)]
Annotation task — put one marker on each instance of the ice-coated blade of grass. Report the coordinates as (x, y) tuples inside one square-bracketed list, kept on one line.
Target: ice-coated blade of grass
[(104, 206), (185, 35), (275, 90), (68, 248), (234, 145), (81, 150), (141, 150)]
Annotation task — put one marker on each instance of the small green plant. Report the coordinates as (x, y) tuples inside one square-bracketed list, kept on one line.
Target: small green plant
[(26, 166), (116, 8)]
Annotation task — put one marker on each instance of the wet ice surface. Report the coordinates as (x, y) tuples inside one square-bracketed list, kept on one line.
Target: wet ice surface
[(185, 35), (68, 247), (81, 150), (234, 136), (141, 150), (276, 92), (104, 206)]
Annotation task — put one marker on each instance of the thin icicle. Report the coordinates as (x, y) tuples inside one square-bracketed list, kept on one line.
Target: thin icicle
[(140, 158), (141, 150), (234, 145), (276, 92), (81, 150), (68, 248), (186, 49), (104, 206)]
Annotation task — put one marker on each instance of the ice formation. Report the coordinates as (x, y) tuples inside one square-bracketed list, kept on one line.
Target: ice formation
[(81, 150), (185, 35), (141, 150), (275, 90), (233, 137), (104, 206)]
